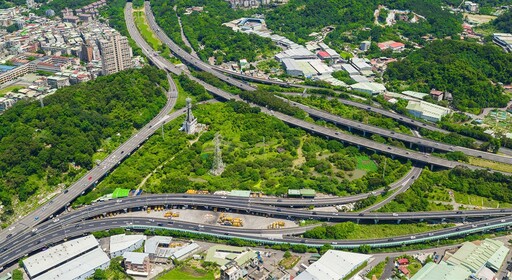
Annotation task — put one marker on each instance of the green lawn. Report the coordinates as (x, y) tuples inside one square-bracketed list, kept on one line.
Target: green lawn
[(9, 88), (366, 164), (377, 270), (479, 201), (180, 274), (147, 33)]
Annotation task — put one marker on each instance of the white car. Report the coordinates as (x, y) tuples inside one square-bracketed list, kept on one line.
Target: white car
[(11, 228)]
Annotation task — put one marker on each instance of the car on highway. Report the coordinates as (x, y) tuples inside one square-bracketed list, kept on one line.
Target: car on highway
[(11, 228), (413, 237), (395, 215)]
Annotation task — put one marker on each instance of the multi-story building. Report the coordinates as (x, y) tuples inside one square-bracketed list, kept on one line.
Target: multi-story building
[(137, 263), (116, 54)]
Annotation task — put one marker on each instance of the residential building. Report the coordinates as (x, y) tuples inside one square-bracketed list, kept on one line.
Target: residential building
[(116, 54), (333, 265), (427, 111), (58, 82), (365, 45), (121, 243), (232, 271), (437, 95), (6, 103), (137, 263), (471, 6)]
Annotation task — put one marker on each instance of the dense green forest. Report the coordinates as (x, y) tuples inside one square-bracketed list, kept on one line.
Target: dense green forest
[(205, 32), (39, 144), (468, 70), (480, 182), (301, 17), (4, 4), (504, 22)]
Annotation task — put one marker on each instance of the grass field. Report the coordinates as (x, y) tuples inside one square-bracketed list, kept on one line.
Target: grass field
[(9, 88), (366, 164), (186, 273), (290, 262), (147, 33), (386, 230), (490, 164), (378, 269), (479, 201)]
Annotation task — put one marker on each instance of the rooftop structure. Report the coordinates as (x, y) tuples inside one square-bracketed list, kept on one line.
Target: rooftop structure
[(53, 257), (392, 45), (158, 246), (222, 255), (333, 265), (441, 271), (137, 263), (184, 251), (121, 243), (298, 67), (415, 94), (490, 253), (81, 267), (370, 88), (240, 193), (119, 193), (427, 111)]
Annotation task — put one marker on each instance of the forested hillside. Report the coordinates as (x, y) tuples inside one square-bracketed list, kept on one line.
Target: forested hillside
[(38, 145), (504, 22), (467, 70), (301, 17)]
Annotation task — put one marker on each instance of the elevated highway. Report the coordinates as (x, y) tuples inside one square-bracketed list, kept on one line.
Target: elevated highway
[(364, 142)]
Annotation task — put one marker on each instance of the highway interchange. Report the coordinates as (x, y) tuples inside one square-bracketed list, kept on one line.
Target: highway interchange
[(23, 237)]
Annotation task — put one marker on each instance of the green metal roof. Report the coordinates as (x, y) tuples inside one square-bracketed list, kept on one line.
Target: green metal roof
[(118, 193), (240, 193), (307, 192), (475, 256), (441, 271), (293, 192)]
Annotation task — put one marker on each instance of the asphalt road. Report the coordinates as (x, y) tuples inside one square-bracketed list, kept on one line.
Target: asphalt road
[(400, 118), (39, 240)]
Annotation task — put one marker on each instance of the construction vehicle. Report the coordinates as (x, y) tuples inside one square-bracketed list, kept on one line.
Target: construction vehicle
[(230, 221)]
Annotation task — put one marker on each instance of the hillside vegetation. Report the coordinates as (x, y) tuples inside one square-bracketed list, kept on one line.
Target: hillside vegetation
[(301, 17), (468, 70), (504, 22), (42, 147)]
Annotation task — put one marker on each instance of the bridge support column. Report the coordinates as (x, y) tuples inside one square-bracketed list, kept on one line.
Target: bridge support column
[(410, 145), (392, 156), (431, 166), (421, 220), (463, 219), (357, 221), (443, 219), (398, 221), (376, 221), (358, 147), (364, 133), (349, 129), (433, 149)]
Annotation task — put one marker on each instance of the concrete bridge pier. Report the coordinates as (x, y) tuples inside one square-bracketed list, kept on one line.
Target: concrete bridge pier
[(398, 221), (357, 221), (376, 221), (364, 133), (410, 145)]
